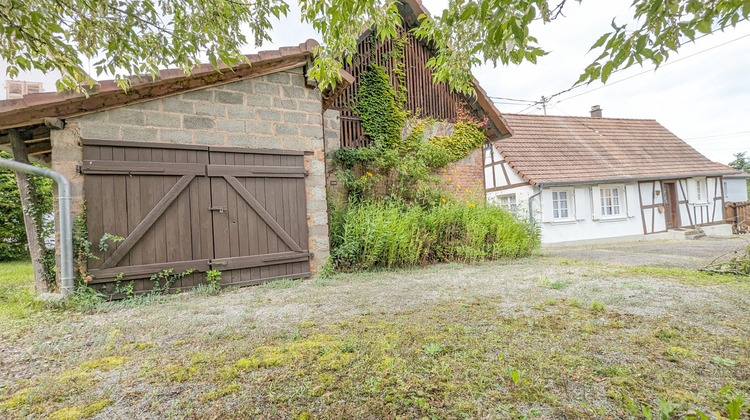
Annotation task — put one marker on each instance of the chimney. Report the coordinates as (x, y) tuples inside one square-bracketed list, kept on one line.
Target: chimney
[(596, 111)]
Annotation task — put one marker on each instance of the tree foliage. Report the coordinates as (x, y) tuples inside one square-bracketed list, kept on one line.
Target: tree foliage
[(741, 162), (126, 37), (12, 231)]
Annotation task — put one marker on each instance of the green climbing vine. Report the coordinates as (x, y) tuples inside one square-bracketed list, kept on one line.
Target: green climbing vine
[(380, 114)]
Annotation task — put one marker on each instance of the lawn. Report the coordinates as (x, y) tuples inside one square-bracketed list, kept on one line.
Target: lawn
[(534, 338)]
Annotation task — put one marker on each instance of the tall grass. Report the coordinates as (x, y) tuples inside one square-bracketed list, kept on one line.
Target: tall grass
[(381, 233)]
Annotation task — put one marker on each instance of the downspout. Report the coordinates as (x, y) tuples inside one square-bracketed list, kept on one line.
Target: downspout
[(66, 218), (532, 220)]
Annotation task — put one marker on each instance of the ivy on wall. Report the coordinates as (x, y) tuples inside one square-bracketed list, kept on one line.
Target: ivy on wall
[(401, 162)]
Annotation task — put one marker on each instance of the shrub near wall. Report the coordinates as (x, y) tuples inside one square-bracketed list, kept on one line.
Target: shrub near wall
[(396, 212), (387, 234)]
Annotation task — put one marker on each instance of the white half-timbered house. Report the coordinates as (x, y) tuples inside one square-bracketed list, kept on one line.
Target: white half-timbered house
[(591, 179)]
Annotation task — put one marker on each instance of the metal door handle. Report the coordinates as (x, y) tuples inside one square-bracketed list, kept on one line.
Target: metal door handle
[(219, 209)]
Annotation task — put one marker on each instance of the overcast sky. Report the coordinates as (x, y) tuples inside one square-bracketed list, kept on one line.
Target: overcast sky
[(704, 98)]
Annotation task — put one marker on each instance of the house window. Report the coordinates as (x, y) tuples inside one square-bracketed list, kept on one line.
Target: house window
[(508, 201), (610, 201), (561, 205), (698, 192)]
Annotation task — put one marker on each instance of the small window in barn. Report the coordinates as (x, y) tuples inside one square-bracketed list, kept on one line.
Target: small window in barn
[(508, 202), (611, 200), (561, 205)]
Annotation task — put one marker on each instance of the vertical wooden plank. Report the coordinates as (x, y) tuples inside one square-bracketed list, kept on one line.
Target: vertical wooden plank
[(220, 220), (160, 227), (120, 211), (93, 185), (244, 221)]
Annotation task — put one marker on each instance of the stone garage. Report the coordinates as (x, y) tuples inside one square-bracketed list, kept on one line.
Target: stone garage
[(219, 170)]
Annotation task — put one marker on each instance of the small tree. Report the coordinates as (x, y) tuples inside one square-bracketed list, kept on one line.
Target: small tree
[(740, 162)]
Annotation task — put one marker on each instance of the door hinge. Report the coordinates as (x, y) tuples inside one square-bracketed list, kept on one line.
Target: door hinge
[(219, 209)]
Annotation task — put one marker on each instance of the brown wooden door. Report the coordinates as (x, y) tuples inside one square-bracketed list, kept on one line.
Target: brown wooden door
[(259, 215), (183, 207), (671, 211)]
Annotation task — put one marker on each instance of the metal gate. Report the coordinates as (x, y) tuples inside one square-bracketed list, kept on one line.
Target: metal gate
[(240, 211)]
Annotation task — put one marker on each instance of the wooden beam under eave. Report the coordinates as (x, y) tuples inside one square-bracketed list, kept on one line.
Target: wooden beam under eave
[(81, 105), (39, 148)]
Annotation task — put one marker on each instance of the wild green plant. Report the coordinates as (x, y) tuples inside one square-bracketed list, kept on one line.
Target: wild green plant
[(104, 246), (213, 277), (164, 279), (392, 233), (597, 306), (128, 288)]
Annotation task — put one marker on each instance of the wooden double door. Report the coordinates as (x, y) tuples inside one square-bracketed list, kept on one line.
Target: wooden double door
[(240, 211)]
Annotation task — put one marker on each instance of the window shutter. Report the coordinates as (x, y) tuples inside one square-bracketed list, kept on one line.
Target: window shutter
[(546, 197), (579, 204), (630, 194), (596, 203)]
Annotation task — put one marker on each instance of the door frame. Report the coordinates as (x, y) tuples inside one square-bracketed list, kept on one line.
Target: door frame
[(672, 207)]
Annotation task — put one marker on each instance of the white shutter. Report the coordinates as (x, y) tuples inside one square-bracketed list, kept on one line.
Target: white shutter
[(631, 199), (546, 199), (580, 207), (596, 203)]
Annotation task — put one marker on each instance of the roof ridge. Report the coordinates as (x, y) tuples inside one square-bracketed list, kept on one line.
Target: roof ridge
[(577, 117)]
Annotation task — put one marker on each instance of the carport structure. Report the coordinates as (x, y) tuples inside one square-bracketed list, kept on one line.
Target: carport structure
[(221, 170)]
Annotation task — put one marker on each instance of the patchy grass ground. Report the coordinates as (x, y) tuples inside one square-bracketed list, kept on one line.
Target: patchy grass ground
[(540, 338)]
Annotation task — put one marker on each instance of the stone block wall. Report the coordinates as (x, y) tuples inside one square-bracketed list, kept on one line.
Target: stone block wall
[(275, 111)]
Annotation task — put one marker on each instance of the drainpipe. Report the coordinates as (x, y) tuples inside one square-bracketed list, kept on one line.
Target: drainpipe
[(66, 219), (532, 220)]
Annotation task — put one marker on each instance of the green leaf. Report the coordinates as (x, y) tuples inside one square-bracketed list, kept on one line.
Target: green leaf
[(704, 27), (607, 70), (599, 42)]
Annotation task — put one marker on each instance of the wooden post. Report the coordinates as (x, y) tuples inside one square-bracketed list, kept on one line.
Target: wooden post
[(29, 197)]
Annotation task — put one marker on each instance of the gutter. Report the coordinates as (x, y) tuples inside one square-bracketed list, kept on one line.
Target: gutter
[(599, 181), (66, 219)]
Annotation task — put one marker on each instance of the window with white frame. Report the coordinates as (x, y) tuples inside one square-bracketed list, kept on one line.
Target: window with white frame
[(611, 201), (562, 201), (698, 191), (508, 201)]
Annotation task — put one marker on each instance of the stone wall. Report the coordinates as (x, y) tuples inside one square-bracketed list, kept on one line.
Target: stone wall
[(275, 111)]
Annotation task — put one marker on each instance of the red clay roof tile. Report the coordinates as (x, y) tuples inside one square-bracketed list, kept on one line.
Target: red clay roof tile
[(548, 149)]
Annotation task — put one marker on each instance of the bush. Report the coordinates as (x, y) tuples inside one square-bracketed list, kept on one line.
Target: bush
[(384, 233)]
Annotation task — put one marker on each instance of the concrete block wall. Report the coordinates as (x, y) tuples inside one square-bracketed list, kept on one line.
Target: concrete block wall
[(275, 111)]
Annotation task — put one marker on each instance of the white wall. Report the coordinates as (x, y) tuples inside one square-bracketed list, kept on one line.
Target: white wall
[(585, 223), (735, 189)]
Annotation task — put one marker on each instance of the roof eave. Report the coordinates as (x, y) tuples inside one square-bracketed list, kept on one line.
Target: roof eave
[(635, 179)]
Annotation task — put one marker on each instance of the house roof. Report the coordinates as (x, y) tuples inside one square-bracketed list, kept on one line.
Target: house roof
[(33, 108), (546, 149), (411, 11)]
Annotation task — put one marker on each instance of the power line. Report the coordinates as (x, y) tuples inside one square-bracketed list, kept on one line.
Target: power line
[(644, 72), (511, 99), (719, 135)]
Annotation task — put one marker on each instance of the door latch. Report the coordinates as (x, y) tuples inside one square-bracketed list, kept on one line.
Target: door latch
[(219, 209)]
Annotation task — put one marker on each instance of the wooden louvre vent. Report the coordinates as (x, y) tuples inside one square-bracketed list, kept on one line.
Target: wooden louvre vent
[(423, 97), (240, 211)]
